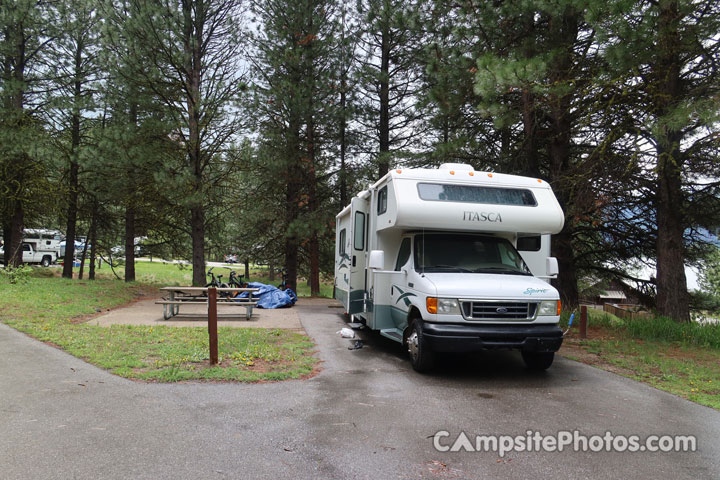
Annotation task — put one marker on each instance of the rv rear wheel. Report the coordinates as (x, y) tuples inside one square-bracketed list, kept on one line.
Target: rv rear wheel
[(45, 261), (422, 358), (538, 360)]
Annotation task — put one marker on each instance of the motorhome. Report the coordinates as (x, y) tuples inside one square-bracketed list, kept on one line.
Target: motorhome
[(453, 260)]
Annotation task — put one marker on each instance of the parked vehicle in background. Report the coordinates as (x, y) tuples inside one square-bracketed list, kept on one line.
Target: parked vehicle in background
[(231, 258), (32, 256), (44, 241), (41, 245)]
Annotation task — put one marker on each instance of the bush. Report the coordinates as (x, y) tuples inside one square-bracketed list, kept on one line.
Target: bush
[(16, 275)]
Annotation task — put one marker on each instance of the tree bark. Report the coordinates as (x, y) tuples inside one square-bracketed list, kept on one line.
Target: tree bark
[(82, 259), (566, 281), (384, 82), (672, 295), (563, 35), (193, 36), (92, 239), (70, 232), (17, 225), (197, 223), (73, 181), (129, 244)]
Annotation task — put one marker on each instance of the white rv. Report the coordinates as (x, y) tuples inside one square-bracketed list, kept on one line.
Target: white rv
[(453, 260)]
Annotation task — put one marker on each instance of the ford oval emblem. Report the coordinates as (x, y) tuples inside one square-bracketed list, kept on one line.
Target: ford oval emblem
[(501, 310)]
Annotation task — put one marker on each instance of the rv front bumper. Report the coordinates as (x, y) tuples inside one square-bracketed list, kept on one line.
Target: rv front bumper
[(470, 338)]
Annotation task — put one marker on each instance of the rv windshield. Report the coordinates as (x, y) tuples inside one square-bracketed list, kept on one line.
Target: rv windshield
[(465, 253)]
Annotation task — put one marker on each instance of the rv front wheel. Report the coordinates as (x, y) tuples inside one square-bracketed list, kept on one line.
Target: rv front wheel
[(421, 357), (538, 360)]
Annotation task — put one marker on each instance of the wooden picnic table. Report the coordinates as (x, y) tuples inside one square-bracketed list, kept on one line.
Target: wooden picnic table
[(198, 295)]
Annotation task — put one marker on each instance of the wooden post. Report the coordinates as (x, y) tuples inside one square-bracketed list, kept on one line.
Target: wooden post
[(583, 321), (212, 325)]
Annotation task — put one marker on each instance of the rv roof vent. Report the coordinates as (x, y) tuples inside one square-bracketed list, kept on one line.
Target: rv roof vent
[(455, 166)]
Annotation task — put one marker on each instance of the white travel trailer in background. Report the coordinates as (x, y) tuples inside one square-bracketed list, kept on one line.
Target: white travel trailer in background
[(452, 260)]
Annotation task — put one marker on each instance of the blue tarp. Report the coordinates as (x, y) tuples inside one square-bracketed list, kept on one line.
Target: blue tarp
[(269, 296)]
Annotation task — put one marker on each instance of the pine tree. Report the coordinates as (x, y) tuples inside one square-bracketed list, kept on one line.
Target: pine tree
[(187, 54), (24, 36), (296, 103), (73, 57), (390, 81), (663, 57)]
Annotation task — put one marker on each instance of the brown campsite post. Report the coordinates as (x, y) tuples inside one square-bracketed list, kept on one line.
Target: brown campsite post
[(583, 321), (212, 325)]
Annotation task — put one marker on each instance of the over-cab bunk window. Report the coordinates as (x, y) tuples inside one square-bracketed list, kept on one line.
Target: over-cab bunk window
[(437, 192)]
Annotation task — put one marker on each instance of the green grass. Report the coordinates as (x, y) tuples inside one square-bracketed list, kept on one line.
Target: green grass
[(162, 273), (655, 328), (683, 359), (51, 309)]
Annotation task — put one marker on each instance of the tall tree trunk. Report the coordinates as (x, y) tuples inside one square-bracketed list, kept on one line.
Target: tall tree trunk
[(193, 36), (14, 101), (6, 232), (17, 225), (529, 164), (563, 35), (292, 212), (343, 114), (343, 144), (70, 232), (197, 225), (566, 281), (92, 239), (73, 182), (384, 80), (672, 295), (129, 243), (82, 259), (314, 242)]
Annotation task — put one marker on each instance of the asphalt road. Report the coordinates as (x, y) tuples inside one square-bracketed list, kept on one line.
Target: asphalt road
[(367, 415)]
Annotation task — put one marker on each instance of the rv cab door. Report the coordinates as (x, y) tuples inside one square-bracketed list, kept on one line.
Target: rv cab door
[(359, 221)]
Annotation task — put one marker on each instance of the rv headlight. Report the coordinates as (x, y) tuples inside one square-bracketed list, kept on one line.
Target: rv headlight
[(443, 306), (549, 308)]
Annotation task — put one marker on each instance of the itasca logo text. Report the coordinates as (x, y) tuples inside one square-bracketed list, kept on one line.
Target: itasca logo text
[(481, 217)]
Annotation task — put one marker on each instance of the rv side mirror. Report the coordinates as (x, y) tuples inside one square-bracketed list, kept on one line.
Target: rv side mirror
[(376, 260), (551, 266)]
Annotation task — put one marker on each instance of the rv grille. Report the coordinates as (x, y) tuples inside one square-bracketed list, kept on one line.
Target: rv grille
[(498, 310)]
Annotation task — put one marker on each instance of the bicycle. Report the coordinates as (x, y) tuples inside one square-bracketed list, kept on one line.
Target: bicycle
[(216, 281), (283, 284), (236, 280)]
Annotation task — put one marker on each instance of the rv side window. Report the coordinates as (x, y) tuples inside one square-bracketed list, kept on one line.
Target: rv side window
[(476, 194), (359, 233), (403, 254), (529, 244), (343, 234), (382, 201)]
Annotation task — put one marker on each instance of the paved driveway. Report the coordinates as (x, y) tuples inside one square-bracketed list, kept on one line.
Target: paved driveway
[(366, 416)]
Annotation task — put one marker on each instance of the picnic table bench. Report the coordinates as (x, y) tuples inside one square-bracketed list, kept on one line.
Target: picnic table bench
[(198, 296)]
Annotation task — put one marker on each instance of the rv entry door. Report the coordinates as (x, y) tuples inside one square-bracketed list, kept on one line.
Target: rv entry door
[(358, 254)]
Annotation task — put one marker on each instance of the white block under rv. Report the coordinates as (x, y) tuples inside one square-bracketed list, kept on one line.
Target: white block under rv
[(451, 260)]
